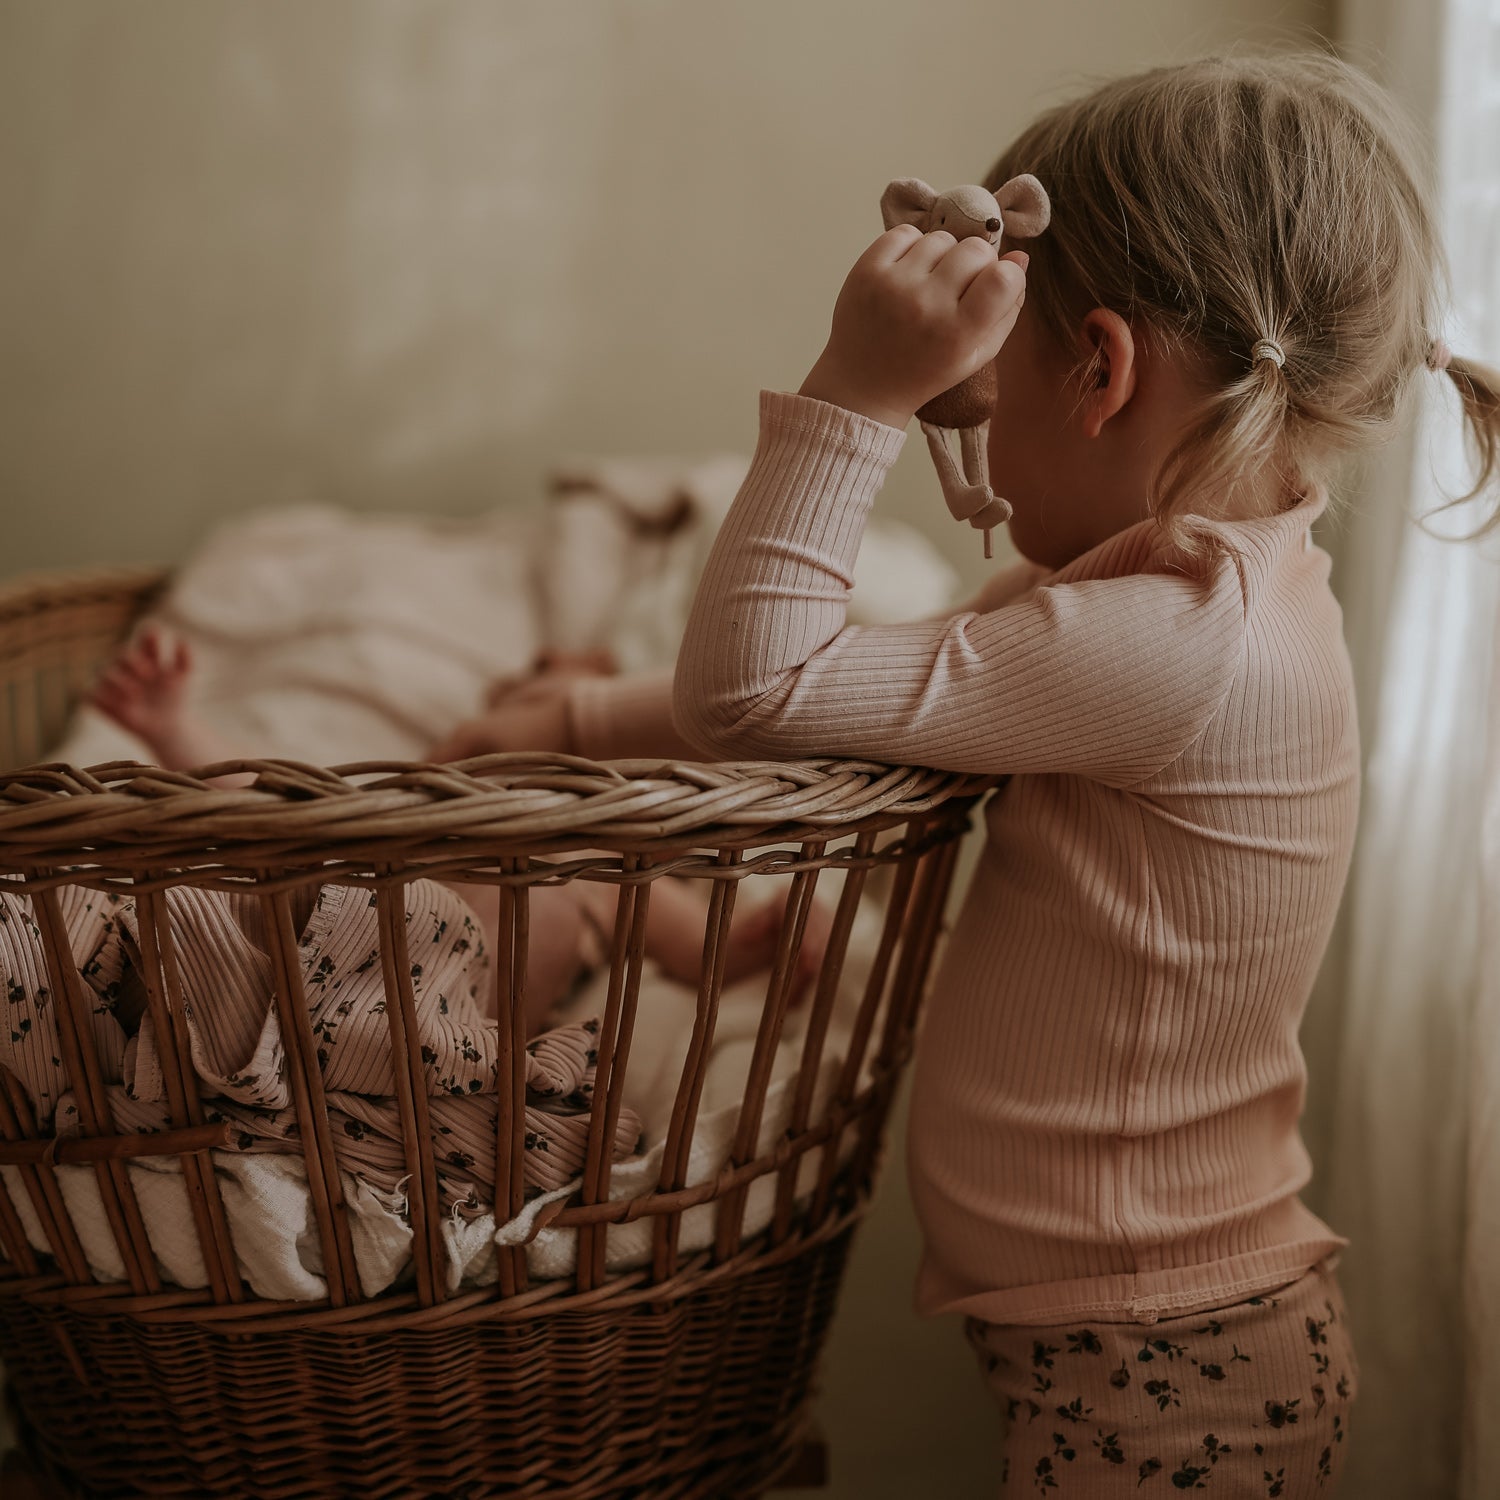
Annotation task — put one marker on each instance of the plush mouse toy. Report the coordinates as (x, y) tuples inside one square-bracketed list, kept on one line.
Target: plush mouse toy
[(1019, 211)]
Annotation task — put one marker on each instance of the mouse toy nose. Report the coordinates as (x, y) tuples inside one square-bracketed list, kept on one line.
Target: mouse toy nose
[(992, 225)]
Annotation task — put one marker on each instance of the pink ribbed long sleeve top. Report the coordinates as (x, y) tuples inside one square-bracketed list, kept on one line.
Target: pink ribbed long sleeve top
[(1108, 1084)]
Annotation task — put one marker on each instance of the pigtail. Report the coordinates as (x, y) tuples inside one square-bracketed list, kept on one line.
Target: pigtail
[(1266, 219), (1236, 432), (1479, 389)]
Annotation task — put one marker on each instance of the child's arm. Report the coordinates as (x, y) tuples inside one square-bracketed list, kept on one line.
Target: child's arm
[(1008, 584), (626, 718), (631, 717), (605, 718), (1109, 676)]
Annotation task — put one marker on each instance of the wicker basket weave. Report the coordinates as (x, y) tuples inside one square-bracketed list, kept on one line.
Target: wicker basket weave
[(689, 1376)]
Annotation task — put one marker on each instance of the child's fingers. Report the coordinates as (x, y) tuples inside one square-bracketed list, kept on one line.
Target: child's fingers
[(1002, 281), (140, 658), (153, 655), (966, 261), (103, 692), (131, 655), (889, 247), (994, 297), (114, 696), (136, 675), (929, 252), (502, 687)]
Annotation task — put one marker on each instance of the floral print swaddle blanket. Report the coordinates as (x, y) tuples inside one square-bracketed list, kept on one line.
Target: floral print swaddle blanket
[(223, 956)]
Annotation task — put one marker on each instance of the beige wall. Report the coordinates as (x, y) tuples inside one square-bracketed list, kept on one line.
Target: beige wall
[(398, 254), (403, 254)]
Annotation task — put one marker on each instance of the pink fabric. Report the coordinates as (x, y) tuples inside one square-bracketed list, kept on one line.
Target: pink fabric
[(221, 946), (1104, 1113), (1247, 1400)]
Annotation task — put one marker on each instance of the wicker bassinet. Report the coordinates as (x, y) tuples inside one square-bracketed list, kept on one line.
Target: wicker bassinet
[(689, 1376)]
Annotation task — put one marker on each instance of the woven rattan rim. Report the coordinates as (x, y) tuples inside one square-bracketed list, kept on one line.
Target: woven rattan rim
[(34, 592), (136, 816)]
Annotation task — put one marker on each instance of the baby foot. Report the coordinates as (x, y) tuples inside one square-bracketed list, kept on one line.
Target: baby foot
[(143, 688)]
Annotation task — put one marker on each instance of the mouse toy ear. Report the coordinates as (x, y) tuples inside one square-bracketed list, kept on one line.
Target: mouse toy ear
[(1024, 206), (907, 201)]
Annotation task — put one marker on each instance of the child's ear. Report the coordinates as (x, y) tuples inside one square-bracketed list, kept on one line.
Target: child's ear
[(1109, 349)]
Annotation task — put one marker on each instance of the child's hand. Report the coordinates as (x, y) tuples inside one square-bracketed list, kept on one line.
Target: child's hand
[(529, 712), (531, 717), (918, 314)]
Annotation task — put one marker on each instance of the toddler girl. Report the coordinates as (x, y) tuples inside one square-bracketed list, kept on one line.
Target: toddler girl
[(1238, 281)]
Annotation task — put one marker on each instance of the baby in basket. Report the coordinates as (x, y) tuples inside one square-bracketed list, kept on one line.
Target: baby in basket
[(143, 690), (222, 958)]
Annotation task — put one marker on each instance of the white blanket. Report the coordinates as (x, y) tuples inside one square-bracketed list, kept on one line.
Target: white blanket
[(328, 636)]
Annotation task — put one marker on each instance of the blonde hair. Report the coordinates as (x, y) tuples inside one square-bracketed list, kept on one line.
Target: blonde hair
[(1237, 209)]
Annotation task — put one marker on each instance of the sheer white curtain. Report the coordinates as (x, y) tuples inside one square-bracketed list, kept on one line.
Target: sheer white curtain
[(1410, 1065)]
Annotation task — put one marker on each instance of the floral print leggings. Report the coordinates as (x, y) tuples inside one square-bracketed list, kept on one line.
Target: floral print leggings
[(1250, 1400)]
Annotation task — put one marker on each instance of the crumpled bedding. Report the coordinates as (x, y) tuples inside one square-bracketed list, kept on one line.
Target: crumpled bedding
[(238, 1050), (332, 637), (237, 1053)]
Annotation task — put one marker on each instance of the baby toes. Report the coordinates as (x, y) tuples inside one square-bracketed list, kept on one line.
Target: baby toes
[(160, 653), (118, 682), (119, 697), (107, 693), (142, 688)]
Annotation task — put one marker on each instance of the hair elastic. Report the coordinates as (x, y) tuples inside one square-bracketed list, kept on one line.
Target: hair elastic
[(1268, 349), (1438, 355)]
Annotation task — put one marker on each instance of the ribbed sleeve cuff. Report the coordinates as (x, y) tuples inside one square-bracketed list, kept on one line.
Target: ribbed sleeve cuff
[(832, 425), (815, 475), (626, 718)]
